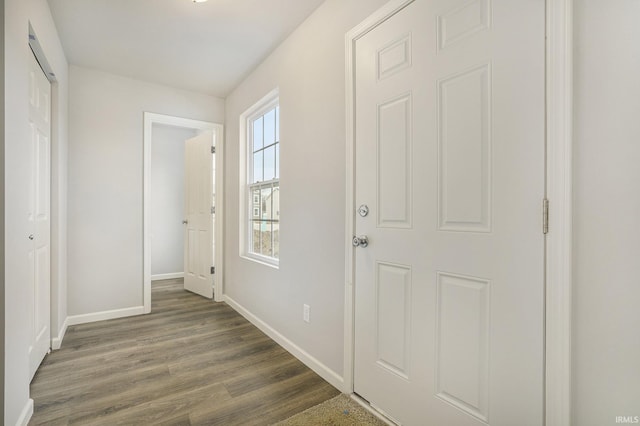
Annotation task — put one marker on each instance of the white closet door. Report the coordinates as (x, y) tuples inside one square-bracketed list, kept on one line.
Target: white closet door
[(39, 256)]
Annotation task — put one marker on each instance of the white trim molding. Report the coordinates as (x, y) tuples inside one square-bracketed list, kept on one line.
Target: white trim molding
[(558, 279), (218, 132), (105, 315), (560, 195), (158, 277), (322, 370), (26, 414), (56, 342)]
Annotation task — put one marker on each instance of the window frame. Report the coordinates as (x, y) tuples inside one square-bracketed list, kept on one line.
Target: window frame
[(247, 187)]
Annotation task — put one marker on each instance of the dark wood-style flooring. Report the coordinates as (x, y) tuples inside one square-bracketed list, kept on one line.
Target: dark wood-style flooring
[(190, 362)]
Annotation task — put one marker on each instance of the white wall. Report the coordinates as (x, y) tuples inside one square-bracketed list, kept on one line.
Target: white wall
[(18, 14), (309, 69), (606, 344), (105, 182), (167, 198)]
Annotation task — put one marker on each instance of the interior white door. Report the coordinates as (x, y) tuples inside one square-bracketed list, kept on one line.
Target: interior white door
[(39, 256), (198, 235), (449, 292)]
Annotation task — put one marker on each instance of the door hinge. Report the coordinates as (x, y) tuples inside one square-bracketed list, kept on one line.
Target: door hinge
[(213, 270), (213, 149), (545, 216), (213, 209)]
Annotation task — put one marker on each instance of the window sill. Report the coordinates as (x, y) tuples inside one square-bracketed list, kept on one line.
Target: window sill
[(261, 260)]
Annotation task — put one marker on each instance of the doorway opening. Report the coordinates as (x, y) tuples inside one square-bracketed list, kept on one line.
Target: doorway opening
[(163, 194)]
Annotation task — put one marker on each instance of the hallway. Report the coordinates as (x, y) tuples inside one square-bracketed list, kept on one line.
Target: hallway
[(190, 361)]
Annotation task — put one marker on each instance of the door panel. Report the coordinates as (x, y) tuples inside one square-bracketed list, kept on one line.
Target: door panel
[(449, 130), (393, 317), (394, 163), (39, 257), (462, 343), (464, 112), (198, 245)]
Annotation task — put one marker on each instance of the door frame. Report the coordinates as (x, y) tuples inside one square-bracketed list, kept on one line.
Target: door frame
[(558, 176), (218, 130)]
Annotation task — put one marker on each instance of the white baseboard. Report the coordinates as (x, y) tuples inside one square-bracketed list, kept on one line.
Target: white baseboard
[(172, 276), (26, 414), (105, 315), (56, 342), (322, 370)]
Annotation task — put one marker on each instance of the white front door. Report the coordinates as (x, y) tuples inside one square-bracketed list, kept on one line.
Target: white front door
[(39, 256), (198, 235), (449, 293)]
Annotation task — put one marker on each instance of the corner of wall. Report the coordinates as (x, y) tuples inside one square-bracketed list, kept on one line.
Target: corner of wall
[(17, 16), (56, 341)]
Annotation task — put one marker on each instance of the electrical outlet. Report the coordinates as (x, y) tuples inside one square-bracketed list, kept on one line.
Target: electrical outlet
[(306, 311)]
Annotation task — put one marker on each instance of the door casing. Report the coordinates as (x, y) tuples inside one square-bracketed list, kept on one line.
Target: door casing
[(218, 131), (558, 258)]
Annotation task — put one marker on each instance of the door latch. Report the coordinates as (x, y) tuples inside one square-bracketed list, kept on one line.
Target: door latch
[(361, 241)]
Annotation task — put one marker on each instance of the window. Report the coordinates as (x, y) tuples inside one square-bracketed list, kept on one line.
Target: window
[(263, 182)]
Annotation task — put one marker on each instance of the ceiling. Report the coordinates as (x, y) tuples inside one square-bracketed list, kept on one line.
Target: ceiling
[(205, 47)]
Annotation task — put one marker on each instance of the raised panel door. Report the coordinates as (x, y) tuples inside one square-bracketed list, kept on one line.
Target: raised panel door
[(449, 141), (198, 237), (39, 256)]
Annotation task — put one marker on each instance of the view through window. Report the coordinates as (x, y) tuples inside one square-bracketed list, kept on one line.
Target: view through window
[(264, 182)]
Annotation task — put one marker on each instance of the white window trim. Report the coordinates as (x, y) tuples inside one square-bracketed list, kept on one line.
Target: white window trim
[(268, 102)]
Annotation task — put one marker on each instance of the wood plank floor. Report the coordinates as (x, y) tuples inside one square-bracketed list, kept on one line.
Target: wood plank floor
[(190, 362)]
